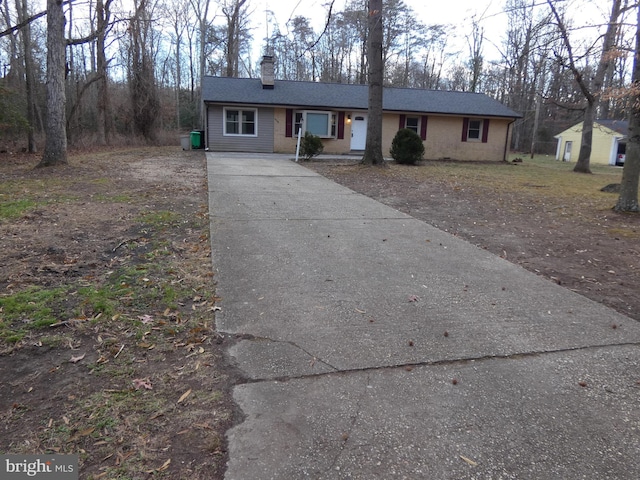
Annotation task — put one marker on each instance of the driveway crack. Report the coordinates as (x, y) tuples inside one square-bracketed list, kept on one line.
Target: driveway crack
[(346, 436)]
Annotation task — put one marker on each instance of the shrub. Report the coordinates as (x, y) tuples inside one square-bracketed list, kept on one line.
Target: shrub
[(407, 147), (310, 146)]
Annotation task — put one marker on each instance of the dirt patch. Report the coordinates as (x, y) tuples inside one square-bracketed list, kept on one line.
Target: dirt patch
[(114, 355), (526, 213), (107, 300)]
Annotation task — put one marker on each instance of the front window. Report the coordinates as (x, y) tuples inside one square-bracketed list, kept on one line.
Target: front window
[(474, 131), (322, 124), (240, 122), (412, 123)]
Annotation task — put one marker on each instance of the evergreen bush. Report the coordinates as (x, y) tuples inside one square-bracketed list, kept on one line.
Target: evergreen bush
[(310, 146), (407, 147)]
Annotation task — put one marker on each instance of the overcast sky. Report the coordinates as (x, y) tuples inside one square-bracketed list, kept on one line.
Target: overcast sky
[(489, 13), (460, 13)]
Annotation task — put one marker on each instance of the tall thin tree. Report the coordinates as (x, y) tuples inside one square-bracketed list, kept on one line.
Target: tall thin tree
[(373, 148), (55, 149), (590, 90), (104, 120), (628, 199), (29, 74)]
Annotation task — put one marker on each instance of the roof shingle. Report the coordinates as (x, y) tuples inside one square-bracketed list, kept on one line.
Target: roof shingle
[(288, 93)]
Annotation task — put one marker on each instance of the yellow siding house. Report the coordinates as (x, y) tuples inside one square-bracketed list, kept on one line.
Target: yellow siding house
[(608, 145), (266, 115)]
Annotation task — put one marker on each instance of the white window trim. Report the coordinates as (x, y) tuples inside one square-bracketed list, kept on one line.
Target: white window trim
[(240, 110), (480, 132), (418, 125), (330, 120)]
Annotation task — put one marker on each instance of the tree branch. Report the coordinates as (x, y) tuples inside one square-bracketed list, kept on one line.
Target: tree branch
[(326, 26), (23, 24)]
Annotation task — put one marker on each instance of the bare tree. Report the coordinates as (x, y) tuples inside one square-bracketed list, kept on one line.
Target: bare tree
[(29, 74), (628, 199), (476, 58), (104, 120), (236, 17), (590, 90), (373, 149), (142, 83), (201, 8), (55, 150)]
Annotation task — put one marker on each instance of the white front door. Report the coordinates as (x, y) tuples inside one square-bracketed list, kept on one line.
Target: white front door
[(567, 152), (358, 131)]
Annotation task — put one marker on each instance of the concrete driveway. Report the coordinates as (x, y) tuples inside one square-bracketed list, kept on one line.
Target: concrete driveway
[(376, 346)]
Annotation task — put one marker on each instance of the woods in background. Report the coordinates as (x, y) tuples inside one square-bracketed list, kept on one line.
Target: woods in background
[(132, 68)]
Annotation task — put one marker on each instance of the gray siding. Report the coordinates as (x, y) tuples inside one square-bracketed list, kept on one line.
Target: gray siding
[(218, 142)]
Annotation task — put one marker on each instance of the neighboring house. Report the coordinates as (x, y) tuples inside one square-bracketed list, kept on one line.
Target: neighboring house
[(608, 144), (263, 115)]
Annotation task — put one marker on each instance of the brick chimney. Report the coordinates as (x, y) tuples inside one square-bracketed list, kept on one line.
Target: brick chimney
[(266, 71)]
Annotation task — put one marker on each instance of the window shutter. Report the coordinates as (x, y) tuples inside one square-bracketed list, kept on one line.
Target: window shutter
[(423, 127), (465, 128), (340, 125), (485, 130), (403, 122), (289, 123)]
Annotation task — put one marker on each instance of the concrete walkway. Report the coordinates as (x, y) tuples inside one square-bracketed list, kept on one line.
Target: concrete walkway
[(378, 347)]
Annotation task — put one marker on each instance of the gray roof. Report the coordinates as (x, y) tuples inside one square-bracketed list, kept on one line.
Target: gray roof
[(620, 126), (343, 96)]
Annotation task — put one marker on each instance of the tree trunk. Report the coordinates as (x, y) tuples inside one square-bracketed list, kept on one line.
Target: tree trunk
[(55, 149), (590, 92), (584, 157), (202, 12), (628, 199), (145, 100), (13, 76), (373, 148), (582, 165), (103, 110), (25, 32), (233, 37)]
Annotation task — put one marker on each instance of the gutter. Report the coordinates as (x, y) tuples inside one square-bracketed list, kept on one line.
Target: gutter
[(506, 140)]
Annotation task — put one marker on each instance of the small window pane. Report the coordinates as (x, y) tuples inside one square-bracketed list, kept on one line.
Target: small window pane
[(475, 127), (248, 122), (412, 123), (317, 124), (232, 121)]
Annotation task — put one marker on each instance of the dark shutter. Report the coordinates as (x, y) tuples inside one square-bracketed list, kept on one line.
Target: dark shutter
[(340, 125), (423, 127), (289, 123), (403, 122), (465, 128), (485, 130)]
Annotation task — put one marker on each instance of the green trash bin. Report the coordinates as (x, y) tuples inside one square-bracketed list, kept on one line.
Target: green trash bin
[(196, 140)]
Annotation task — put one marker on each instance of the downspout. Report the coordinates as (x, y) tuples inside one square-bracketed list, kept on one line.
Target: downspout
[(206, 126), (506, 140)]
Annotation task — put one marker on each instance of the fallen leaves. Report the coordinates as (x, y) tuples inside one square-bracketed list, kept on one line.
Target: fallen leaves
[(184, 396), (469, 461), (146, 319), (81, 433), (139, 383), (77, 358), (164, 466)]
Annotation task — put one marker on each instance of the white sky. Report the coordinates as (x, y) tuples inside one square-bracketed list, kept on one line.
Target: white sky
[(429, 12)]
